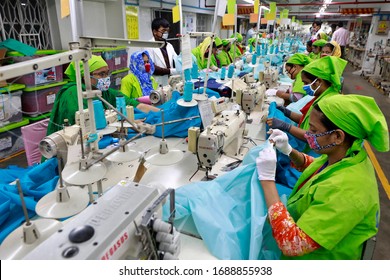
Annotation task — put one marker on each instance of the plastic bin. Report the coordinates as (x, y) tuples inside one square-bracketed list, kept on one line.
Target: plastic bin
[(11, 104), (117, 76), (50, 75), (11, 140), (116, 58), (39, 100)]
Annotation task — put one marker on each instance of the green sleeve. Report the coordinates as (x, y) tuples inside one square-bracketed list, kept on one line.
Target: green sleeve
[(111, 95), (223, 58), (196, 53), (130, 86), (154, 83)]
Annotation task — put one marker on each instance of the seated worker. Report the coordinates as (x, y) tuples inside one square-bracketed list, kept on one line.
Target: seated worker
[(317, 47), (165, 56), (224, 56), (66, 102), (239, 49), (140, 81), (294, 65), (334, 206), (321, 79), (332, 48), (201, 53)]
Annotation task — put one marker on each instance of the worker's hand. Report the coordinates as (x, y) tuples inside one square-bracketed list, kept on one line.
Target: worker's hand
[(285, 111), (266, 164), (281, 141), (279, 124), (280, 93), (214, 68)]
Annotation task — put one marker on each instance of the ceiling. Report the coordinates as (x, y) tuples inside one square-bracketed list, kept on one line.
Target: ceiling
[(307, 9)]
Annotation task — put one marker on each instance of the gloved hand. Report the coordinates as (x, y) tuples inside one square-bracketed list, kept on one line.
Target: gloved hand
[(285, 111), (276, 123), (266, 164), (281, 141), (214, 68)]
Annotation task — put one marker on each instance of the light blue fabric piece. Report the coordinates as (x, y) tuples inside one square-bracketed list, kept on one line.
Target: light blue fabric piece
[(137, 67), (229, 213), (297, 106)]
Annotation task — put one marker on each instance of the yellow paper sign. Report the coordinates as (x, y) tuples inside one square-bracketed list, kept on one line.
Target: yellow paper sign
[(175, 14), (65, 10), (132, 22), (256, 6), (231, 7), (228, 19), (253, 18)]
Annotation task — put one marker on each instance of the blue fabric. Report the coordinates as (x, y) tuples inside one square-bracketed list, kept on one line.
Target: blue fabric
[(229, 213), (36, 181), (137, 67)]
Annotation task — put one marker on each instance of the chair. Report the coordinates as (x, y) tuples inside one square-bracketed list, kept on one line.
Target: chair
[(369, 248), (33, 134)]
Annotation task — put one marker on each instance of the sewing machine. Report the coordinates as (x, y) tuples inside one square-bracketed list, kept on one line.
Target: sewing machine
[(224, 135), (270, 76), (124, 223), (161, 95)]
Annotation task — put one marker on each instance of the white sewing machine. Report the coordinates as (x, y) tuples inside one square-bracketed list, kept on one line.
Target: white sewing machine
[(161, 95), (224, 135), (271, 76), (124, 223)]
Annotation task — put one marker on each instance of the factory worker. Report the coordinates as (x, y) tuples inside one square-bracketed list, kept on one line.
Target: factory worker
[(139, 82), (239, 48), (322, 35), (317, 47), (309, 48), (201, 53), (293, 67), (332, 48), (165, 56), (224, 56), (321, 79), (334, 206), (66, 102)]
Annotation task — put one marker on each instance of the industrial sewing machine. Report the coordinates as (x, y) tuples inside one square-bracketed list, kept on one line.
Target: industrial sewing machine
[(270, 76), (161, 95), (224, 135), (124, 223)]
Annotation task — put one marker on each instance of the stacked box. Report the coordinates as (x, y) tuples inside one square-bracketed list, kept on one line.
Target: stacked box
[(117, 76), (116, 58), (39, 100), (50, 75), (10, 104), (11, 140)]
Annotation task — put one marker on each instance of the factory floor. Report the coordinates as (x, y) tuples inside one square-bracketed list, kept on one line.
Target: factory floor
[(357, 85)]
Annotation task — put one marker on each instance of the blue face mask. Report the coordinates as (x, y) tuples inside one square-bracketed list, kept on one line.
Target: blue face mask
[(103, 83), (309, 90)]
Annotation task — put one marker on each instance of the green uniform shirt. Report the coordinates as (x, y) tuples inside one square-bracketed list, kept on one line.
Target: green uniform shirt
[(66, 105), (238, 52), (338, 207), (202, 61), (298, 85), (224, 58), (131, 88)]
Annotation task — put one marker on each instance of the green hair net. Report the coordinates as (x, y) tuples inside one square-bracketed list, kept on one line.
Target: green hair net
[(328, 68), (239, 37), (218, 41), (225, 42), (320, 43), (94, 63), (359, 116), (299, 59)]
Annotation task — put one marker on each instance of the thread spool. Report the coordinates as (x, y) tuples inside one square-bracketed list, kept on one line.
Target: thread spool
[(223, 73), (160, 225), (261, 76), (121, 106), (254, 58), (164, 237), (188, 89), (168, 247), (230, 71), (187, 74), (258, 50), (130, 112), (100, 117), (271, 49), (194, 71), (243, 59), (250, 48), (276, 50)]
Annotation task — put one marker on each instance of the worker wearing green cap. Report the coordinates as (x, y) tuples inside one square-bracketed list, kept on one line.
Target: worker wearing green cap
[(66, 102), (321, 79), (334, 206), (224, 56), (237, 47), (201, 53), (317, 47), (293, 68)]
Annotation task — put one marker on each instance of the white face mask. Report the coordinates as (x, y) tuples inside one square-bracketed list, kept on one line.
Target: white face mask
[(219, 51), (165, 35), (103, 83)]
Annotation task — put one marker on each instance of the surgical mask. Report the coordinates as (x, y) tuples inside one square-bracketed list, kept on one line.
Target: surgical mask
[(219, 51), (103, 83), (309, 90), (311, 139), (165, 35), (147, 67)]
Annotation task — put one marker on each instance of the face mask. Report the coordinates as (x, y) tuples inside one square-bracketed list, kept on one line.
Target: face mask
[(103, 83), (147, 67), (165, 36), (313, 143), (219, 51), (309, 90)]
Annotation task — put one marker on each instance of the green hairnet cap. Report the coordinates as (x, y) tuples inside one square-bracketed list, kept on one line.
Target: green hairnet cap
[(359, 116), (239, 37), (251, 40), (218, 41), (225, 42), (320, 43), (94, 63), (328, 68), (299, 59)]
